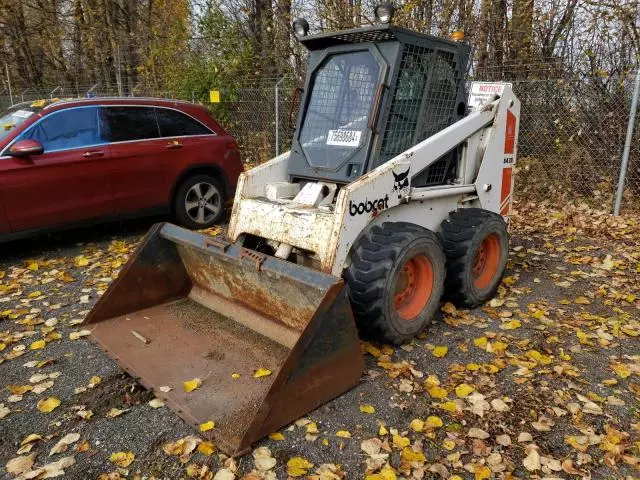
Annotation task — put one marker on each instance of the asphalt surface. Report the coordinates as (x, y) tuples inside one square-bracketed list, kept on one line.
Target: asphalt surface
[(541, 257)]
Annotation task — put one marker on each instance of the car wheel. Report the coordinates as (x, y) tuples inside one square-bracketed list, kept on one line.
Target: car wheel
[(199, 202)]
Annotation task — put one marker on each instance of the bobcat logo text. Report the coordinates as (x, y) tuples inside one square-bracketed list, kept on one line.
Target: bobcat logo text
[(368, 206)]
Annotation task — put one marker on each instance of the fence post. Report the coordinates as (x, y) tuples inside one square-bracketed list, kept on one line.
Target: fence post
[(278, 116), (627, 144)]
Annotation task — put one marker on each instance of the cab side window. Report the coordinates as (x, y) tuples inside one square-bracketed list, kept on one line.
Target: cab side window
[(176, 124), (123, 124), (67, 129)]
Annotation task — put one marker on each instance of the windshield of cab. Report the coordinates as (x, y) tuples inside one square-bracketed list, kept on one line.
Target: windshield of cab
[(15, 116), (337, 115)]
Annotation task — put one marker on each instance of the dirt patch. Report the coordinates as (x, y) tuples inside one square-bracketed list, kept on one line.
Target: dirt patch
[(119, 391)]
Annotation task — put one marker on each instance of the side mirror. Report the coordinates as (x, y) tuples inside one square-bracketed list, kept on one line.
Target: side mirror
[(26, 148)]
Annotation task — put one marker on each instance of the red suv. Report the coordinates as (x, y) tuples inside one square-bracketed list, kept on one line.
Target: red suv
[(82, 161)]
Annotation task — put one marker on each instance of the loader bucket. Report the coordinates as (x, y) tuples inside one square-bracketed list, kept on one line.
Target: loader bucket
[(188, 305)]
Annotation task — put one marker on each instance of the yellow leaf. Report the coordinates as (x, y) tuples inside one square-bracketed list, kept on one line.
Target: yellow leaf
[(235, 375), (325, 441), (449, 308), (416, 425), (622, 370), (367, 409), (206, 448), (449, 444), (191, 385), (437, 392), (434, 422), (463, 390), (48, 404), (440, 351), (298, 466), (343, 434), (480, 342), (93, 381), (473, 367), (262, 372), (19, 389), (276, 436), (387, 473), (122, 459), (538, 357), (610, 382), (206, 426), (410, 456), (383, 430), (37, 345), (400, 442), (33, 266), (35, 294), (481, 472), (511, 325), (449, 406), (312, 427), (582, 301), (81, 261)]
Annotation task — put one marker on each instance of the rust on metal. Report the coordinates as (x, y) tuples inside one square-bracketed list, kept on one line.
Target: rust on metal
[(218, 317), (257, 258), (220, 243)]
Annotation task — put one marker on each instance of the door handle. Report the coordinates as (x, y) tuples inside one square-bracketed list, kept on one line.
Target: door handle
[(93, 153), (173, 145)]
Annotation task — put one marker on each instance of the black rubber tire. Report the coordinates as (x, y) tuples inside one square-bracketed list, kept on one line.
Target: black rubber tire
[(179, 210), (462, 235), (377, 259)]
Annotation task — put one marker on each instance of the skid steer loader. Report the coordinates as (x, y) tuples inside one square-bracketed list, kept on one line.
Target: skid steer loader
[(396, 189)]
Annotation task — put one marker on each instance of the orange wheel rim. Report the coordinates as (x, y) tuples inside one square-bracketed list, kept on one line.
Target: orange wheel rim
[(413, 287), (486, 261)]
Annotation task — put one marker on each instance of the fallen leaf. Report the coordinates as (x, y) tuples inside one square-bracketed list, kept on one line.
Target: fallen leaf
[(48, 404), (262, 372), (367, 409), (298, 466), (122, 459), (206, 448), (532, 461), (205, 427), (64, 443), (463, 390), (416, 425), (224, 474), (37, 345), (343, 434), (477, 433), (263, 460), (440, 351), (156, 403), (19, 465), (276, 436), (400, 441), (191, 385)]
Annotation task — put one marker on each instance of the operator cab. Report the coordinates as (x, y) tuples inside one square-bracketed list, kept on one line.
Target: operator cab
[(370, 94)]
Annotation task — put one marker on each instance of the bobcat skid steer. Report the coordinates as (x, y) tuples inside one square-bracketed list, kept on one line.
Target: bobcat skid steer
[(396, 191)]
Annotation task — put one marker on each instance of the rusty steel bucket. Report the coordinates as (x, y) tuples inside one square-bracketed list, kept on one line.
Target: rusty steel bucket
[(188, 305)]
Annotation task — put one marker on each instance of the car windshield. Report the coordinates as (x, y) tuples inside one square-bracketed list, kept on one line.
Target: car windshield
[(15, 116)]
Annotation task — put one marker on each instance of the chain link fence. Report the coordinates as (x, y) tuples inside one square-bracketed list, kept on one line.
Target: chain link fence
[(572, 131)]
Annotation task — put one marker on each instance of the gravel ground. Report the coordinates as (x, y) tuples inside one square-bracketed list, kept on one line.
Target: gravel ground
[(565, 321)]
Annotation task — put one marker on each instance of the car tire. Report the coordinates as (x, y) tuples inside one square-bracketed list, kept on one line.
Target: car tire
[(395, 281), (199, 202), (476, 244)]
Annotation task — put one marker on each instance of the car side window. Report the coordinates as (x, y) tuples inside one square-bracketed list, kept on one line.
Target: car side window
[(122, 124), (177, 124), (67, 129)]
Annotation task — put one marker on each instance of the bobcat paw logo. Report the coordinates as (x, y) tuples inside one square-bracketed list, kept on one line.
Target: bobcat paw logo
[(400, 180)]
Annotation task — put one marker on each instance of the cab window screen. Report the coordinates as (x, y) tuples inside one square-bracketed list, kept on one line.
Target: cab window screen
[(337, 115)]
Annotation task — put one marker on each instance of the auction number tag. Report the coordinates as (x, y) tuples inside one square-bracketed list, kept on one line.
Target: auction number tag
[(344, 138)]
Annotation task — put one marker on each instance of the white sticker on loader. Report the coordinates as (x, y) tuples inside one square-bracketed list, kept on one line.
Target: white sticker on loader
[(482, 92), (344, 138)]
